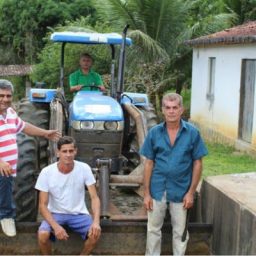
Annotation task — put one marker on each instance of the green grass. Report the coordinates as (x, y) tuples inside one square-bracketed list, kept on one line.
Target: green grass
[(226, 160), (186, 94)]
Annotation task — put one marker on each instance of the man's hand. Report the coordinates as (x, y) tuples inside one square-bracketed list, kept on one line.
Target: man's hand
[(95, 230), (5, 169), (60, 233), (188, 201), (78, 87), (53, 135), (148, 203), (102, 88)]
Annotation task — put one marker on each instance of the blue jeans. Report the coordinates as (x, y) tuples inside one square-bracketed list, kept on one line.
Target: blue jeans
[(7, 206)]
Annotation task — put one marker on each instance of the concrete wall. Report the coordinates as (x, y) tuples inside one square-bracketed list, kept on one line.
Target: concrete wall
[(223, 114), (229, 203)]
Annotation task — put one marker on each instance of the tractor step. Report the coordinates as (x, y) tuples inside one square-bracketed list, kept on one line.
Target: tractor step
[(124, 185)]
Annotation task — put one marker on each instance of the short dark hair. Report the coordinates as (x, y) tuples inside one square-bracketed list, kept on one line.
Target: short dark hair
[(85, 54), (65, 140), (6, 85)]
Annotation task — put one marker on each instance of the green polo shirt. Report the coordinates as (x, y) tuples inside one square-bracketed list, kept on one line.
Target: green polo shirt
[(78, 78)]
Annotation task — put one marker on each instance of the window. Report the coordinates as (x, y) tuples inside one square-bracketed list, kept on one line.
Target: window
[(211, 80)]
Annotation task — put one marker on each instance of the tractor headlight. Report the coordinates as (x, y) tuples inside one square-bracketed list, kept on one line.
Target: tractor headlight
[(110, 126), (98, 125), (76, 125), (87, 125)]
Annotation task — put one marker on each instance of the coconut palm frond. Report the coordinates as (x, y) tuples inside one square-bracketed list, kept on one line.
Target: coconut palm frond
[(116, 11), (167, 83), (219, 22), (163, 19), (146, 49), (213, 23)]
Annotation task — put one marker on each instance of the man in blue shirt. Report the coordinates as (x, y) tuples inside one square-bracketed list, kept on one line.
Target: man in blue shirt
[(173, 167)]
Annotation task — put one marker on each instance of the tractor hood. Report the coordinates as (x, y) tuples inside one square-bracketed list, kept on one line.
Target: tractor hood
[(94, 106)]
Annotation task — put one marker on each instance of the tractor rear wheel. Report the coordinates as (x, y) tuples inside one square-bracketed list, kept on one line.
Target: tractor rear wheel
[(38, 115), (33, 157), (150, 119), (25, 194)]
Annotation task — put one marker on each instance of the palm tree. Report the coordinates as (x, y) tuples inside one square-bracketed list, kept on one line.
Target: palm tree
[(207, 16), (245, 9), (155, 27)]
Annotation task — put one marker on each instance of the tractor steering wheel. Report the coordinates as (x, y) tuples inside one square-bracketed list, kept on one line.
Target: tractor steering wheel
[(91, 87)]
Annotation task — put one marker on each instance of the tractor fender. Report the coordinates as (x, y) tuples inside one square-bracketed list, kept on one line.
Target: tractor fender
[(137, 99)]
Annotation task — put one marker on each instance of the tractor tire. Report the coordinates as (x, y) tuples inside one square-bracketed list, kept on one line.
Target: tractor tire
[(38, 115), (34, 113), (33, 157), (150, 116), (150, 119), (25, 194)]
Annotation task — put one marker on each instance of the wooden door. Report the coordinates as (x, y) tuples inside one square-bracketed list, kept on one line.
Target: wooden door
[(247, 100)]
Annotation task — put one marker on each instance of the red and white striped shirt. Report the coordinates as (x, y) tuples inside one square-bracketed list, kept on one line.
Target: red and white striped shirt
[(10, 126)]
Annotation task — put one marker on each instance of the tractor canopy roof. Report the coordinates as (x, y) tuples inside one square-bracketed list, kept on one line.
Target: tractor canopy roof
[(88, 38)]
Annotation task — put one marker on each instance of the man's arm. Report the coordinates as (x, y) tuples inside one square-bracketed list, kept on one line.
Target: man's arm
[(188, 199), (99, 82), (95, 229), (75, 88), (59, 231), (148, 167), (33, 130)]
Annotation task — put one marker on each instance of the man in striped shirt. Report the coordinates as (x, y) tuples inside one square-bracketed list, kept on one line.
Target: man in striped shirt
[(10, 126)]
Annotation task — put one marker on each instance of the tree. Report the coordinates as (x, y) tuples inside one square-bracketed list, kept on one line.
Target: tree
[(155, 27), (245, 9), (159, 29), (23, 24), (207, 16), (48, 68)]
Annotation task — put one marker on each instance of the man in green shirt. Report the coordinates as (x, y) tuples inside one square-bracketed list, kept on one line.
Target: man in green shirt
[(85, 79)]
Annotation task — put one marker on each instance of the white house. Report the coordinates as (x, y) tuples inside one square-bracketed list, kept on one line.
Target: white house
[(223, 102)]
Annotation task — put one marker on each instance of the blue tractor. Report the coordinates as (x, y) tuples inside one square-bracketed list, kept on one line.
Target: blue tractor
[(108, 129)]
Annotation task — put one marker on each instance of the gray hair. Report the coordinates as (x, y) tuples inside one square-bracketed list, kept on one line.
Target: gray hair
[(172, 97), (6, 85)]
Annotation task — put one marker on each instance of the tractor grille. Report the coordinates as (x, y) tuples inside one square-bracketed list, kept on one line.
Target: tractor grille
[(102, 137), (93, 145)]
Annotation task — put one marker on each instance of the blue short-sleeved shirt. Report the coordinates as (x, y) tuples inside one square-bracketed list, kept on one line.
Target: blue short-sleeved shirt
[(173, 164)]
